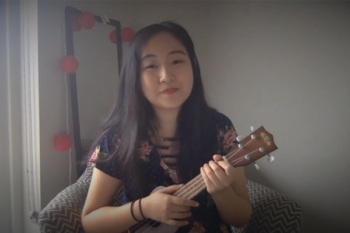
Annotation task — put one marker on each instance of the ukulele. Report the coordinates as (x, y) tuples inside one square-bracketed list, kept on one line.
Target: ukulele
[(249, 149)]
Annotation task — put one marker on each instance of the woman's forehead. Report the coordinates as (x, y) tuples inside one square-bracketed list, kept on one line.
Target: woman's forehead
[(162, 44)]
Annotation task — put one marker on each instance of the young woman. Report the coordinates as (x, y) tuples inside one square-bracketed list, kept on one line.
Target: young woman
[(162, 132)]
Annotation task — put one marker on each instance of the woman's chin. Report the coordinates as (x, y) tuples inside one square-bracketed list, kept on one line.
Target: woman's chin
[(170, 105)]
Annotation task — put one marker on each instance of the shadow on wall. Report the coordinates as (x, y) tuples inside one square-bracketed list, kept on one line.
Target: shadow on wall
[(314, 221), (257, 176)]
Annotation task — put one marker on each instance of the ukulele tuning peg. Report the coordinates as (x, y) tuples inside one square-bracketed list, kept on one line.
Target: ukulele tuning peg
[(257, 166), (239, 138), (252, 128), (270, 158)]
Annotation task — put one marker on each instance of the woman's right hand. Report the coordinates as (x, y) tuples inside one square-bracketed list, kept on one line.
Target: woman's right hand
[(163, 207)]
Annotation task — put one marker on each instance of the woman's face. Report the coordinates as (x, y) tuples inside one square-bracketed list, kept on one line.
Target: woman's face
[(166, 72)]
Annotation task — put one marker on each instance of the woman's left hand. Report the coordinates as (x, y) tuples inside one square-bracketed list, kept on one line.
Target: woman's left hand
[(217, 175)]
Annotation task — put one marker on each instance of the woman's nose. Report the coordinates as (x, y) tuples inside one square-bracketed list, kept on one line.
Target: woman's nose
[(166, 75)]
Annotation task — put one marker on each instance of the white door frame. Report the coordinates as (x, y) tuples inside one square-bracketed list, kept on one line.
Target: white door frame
[(30, 105), (22, 110)]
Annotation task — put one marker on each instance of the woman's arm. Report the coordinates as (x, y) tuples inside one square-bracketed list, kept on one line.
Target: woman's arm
[(233, 202), (98, 215)]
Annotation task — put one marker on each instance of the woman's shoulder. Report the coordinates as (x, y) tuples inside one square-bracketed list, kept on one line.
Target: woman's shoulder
[(226, 132), (109, 141), (222, 121), (104, 156), (104, 146)]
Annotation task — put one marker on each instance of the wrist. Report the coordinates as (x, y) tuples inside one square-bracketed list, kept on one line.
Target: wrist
[(144, 207), (135, 211), (141, 209), (224, 193)]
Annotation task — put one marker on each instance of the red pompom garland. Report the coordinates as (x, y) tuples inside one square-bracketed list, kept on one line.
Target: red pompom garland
[(63, 142), (70, 64), (86, 20), (127, 34)]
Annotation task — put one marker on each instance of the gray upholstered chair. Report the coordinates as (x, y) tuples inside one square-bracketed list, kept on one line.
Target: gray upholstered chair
[(272, 212)]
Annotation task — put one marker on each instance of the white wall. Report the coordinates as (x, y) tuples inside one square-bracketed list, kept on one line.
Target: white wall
[(285, 66), (281, 65), (97, 77)]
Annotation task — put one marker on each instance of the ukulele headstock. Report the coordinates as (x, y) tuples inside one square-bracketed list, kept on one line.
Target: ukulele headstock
[(253, 147)]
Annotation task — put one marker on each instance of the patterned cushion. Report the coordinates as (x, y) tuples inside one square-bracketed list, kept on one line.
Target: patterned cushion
[(63, 213), (272, 212)]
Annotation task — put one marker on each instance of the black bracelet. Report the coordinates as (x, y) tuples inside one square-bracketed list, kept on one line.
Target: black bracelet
[(143, 216), (132, 211)]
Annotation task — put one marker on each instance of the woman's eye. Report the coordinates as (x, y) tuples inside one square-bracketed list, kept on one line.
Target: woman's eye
[(177, 61), (151, 67)]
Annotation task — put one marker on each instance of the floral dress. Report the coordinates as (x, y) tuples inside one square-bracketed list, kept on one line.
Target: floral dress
[(164, 173)]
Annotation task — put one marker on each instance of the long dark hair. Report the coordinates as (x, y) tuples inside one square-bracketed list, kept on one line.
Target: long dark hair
[(133, 116)]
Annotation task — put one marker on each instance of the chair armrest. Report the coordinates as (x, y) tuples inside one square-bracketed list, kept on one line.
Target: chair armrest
[(272, 211), (63, 213)]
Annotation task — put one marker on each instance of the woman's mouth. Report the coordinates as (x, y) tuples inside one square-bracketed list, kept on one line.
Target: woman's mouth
[(170, 91)]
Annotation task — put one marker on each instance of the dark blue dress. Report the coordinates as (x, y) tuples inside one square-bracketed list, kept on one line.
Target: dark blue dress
[(207, 217)]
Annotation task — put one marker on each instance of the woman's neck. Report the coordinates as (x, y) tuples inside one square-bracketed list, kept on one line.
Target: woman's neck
[(167, 122)]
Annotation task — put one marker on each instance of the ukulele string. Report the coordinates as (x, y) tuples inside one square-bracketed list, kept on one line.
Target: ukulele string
[(195, 185), (199, 182), (193, 182), (229, 156)]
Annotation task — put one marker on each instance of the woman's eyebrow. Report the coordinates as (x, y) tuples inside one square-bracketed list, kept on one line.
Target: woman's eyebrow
[(172, 52), (148, 56), (177, 51)]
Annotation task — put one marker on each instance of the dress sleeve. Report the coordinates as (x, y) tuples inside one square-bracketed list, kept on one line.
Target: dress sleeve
[(105, 149), (226, 134)]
